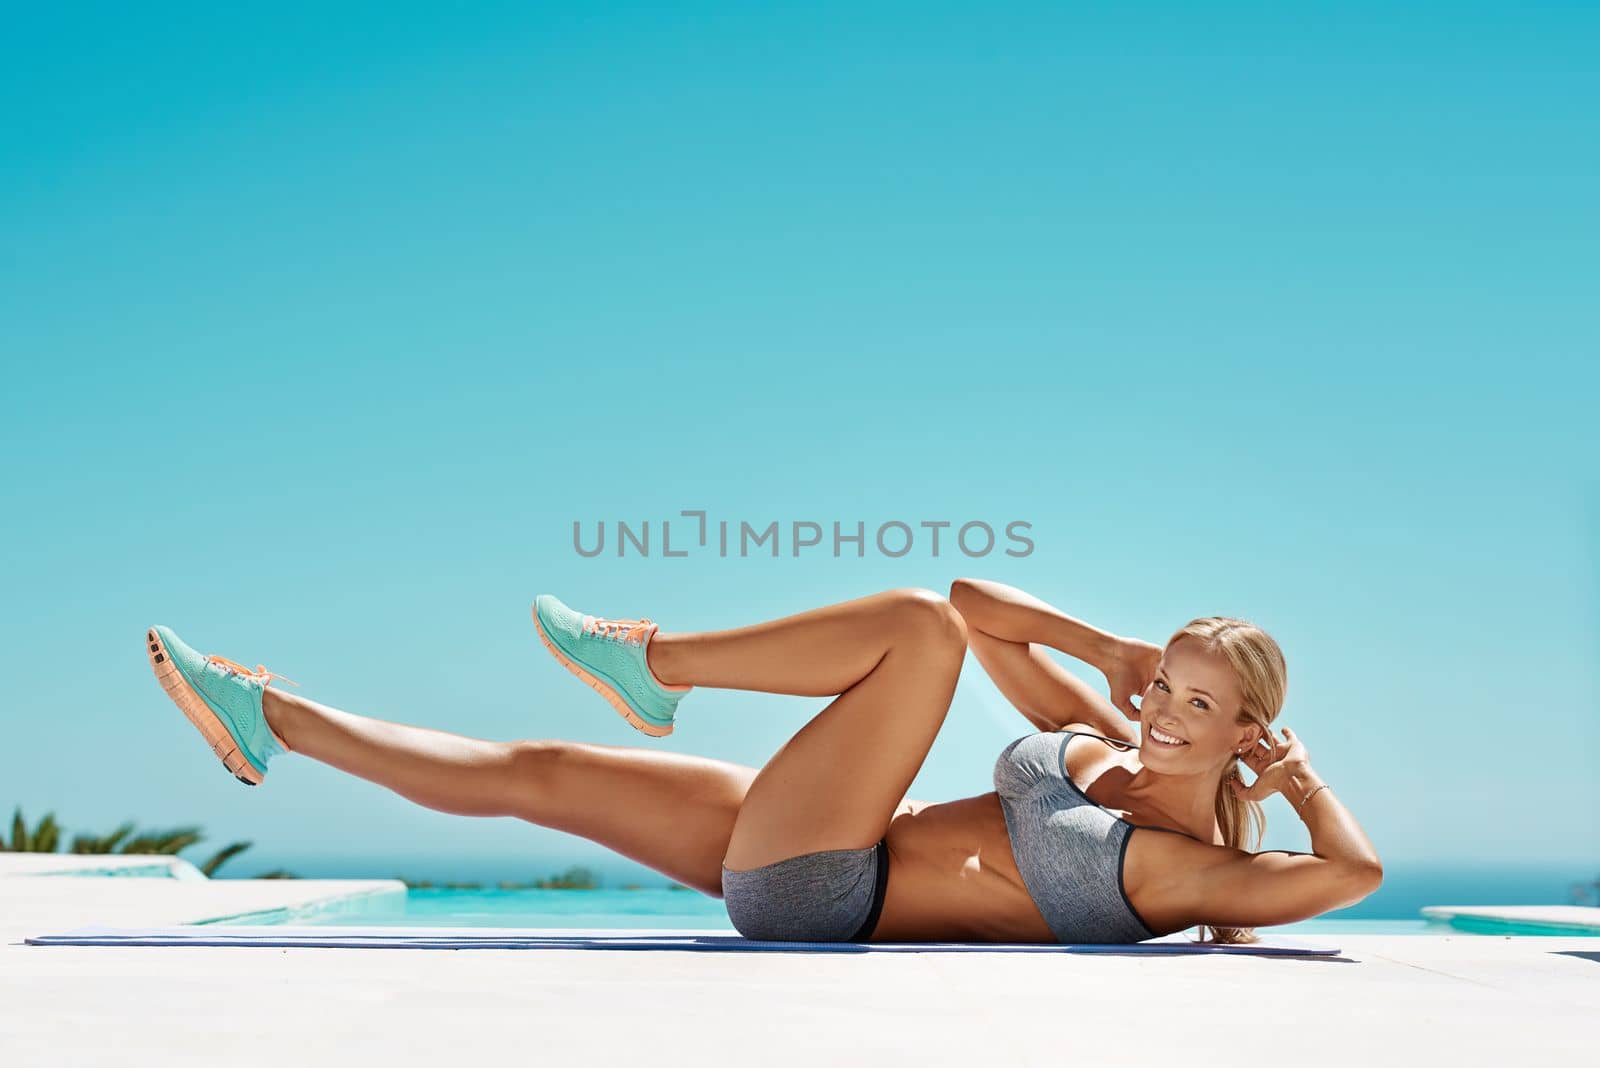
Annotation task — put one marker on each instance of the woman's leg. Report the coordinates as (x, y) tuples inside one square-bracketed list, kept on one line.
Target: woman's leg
[(892, 658), (671, 812)]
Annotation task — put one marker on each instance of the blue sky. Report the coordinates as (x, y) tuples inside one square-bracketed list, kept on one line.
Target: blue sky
[(322, 327)]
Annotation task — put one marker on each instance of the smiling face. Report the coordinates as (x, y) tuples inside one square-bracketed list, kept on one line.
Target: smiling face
[(1189, 718)]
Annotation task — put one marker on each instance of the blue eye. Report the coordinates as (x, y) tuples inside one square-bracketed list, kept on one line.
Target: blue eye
[(1197, 700)]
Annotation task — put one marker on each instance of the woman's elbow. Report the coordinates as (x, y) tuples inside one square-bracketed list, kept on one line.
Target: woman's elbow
[(1361, 879), (965, 597), (1373, 870)]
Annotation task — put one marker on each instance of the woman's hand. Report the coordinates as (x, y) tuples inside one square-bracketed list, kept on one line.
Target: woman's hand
[(1131, 669), (1278, 765)]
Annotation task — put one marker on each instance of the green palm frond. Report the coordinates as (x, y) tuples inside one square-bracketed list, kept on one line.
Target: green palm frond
[(44, 838), (88, 843), (164, 842), (222, 856)]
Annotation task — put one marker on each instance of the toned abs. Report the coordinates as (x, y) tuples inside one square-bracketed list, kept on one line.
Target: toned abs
[(952, 876)]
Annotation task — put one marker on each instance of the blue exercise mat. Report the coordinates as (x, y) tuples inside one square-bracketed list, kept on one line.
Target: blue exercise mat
[(712, 941)]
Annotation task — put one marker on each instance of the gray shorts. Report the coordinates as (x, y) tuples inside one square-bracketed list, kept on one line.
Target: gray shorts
[(832, 896)]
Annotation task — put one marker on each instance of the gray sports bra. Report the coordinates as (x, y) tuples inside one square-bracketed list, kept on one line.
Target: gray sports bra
[(1068, 848)]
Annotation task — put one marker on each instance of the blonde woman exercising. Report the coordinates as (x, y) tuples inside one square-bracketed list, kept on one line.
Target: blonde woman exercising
[(1113, 823)]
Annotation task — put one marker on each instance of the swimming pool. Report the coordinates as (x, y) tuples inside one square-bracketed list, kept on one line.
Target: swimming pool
[(665, 909)]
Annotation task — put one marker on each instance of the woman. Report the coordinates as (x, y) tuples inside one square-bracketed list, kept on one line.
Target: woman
[(803, 849)]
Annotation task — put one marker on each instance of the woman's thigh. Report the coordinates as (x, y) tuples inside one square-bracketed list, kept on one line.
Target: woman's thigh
[(672, 812), (837, 783)]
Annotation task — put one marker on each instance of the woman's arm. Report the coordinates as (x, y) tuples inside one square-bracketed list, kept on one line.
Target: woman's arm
[(1260, 889), (1008, 630)]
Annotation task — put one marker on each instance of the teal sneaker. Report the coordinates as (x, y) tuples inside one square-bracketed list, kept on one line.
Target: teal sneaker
[(610, 655), (222, 699)]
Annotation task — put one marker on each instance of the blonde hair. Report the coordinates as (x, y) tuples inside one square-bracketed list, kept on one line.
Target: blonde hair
[(1263, 679)]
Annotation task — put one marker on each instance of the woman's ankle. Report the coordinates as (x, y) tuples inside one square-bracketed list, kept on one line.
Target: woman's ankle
[(662, 657), (280, 711)]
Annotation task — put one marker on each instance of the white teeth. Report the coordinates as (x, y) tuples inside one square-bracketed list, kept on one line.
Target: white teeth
[(1162, 736)]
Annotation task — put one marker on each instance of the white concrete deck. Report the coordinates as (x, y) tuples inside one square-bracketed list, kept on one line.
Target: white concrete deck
[(12, 864), (1439, 1001)]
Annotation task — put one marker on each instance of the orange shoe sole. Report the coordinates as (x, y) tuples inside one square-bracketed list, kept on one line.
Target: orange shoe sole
[(612, 696), (199, 713)]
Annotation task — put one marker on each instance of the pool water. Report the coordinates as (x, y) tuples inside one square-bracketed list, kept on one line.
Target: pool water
[(664, 908), (654, 908)]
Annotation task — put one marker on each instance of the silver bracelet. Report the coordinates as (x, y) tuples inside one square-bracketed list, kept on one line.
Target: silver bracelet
[(1301, 807)]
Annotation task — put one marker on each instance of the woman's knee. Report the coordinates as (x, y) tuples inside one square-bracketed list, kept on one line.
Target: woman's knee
[(533, 769), (929, 617)]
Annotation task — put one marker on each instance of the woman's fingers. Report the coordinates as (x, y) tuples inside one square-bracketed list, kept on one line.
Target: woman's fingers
[(1267, 752), (1247, 793)]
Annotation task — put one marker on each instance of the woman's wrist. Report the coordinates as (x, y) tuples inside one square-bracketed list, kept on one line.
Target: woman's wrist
[(1300, 787), (1298, 784)]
